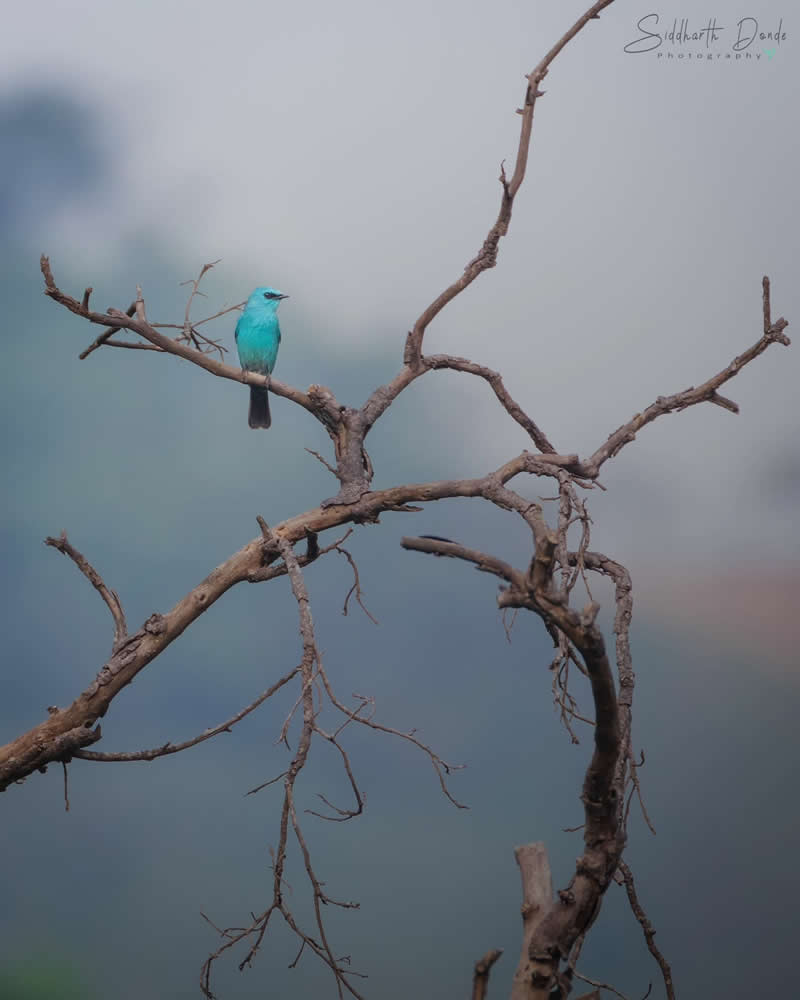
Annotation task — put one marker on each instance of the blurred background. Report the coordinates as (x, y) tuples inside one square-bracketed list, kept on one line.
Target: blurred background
[(348, 154)]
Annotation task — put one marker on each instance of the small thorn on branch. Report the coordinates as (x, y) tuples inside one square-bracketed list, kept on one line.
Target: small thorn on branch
[(85, 299)]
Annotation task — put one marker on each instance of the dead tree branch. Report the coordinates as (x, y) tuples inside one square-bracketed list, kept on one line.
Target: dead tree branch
[(480, 979), (647, 929), (558, 924), (109, 596), (549, 569), (168, 748), (257, 929)]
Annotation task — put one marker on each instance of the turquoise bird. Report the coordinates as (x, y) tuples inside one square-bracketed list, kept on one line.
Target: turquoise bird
[(258, 336)]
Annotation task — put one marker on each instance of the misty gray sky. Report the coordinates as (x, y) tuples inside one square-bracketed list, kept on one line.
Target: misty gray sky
[(349, 155)]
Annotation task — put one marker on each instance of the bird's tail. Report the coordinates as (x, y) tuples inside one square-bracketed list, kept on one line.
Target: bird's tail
[(259, 408)]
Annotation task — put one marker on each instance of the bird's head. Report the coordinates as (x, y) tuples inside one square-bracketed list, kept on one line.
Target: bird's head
[(265, 297)]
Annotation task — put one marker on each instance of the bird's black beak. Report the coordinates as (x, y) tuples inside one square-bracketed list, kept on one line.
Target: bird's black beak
[(282, 296)]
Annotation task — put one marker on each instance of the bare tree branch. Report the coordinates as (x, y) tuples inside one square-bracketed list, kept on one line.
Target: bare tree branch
[(550, 567), (190, 335), (487, 257), (647, 929), (514, 410), (480, 979), (707, 392), (109, 596), (560, 923), (483, 562), (255, 932), (603, 986), (414, 363), (124, 321), (168, 748), (104, 336), (355, 588)]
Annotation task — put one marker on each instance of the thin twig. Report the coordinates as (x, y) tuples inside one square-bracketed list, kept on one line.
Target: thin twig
[(103, 337), (327, 464), (109, 596), (707, 392), (647, 929), (131, 345), (207, 734), (598, 985), (63, 762), (356, 587), (190, 335)]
